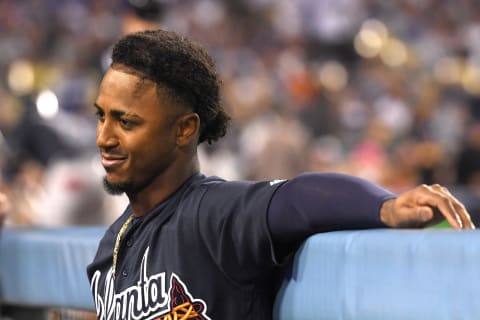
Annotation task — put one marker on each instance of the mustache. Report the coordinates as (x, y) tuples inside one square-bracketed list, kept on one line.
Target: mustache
[(113, 152)]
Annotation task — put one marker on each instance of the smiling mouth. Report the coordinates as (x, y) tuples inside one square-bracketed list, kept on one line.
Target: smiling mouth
[(110, 162)]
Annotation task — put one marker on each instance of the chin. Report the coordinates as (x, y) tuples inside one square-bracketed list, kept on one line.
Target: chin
[(116, 188)]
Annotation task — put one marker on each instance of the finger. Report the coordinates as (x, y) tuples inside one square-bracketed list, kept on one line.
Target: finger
[(459, 207), (422, 214), (431, 196), (463, 212), (413, 217)]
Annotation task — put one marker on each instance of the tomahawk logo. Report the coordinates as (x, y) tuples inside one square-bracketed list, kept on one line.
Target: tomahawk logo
[(148, 299), (182, 305)]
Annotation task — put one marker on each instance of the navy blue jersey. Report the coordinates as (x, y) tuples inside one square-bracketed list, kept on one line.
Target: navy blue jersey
[(203, 253)]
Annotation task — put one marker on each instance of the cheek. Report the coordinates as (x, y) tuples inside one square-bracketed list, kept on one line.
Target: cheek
[(151, 145)]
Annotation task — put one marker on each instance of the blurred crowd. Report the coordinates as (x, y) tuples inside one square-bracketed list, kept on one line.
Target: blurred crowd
[(385, 90)]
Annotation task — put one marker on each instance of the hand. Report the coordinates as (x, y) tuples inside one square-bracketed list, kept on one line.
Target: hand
[(425, 206)]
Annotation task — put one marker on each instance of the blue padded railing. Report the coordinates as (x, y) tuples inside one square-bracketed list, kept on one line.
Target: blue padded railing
[(371, 274), (46, 267), (384, 274)]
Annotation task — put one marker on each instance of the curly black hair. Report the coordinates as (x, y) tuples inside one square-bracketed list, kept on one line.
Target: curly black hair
[(182, 67)]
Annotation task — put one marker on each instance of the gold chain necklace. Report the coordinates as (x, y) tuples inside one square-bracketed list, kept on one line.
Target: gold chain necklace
[(117, 243)]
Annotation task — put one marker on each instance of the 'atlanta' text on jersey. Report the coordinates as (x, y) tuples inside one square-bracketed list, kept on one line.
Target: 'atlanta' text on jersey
[(148, 299)]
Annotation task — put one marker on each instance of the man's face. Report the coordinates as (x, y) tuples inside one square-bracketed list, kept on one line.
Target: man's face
[(135, 132)]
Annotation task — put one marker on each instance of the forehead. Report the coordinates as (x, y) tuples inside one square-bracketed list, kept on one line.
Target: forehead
[(126, 89)]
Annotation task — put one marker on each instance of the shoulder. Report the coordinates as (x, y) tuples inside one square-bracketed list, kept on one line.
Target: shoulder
[(236, 196), (241, 188), (217, 197)]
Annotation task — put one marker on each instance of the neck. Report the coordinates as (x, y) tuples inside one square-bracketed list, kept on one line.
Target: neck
[(162, 187)]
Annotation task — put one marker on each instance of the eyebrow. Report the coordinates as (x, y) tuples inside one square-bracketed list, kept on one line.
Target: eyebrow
[(118, 113)]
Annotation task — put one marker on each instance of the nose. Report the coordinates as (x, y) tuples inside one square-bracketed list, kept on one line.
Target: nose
[(106, 137)]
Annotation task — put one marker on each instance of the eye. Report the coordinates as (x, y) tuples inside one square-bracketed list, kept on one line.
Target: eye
[(100, 115), (126, 124)]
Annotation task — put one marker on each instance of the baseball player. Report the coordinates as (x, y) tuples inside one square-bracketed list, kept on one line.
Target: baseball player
[(190, 246)]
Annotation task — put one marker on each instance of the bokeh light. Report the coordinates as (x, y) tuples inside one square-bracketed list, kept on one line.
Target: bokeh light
[(371, 38), (471, 79), (47, 104), (394, 53), (21, 77), (333, 76)]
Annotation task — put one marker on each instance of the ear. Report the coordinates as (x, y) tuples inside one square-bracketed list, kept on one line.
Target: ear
[(188, 127)]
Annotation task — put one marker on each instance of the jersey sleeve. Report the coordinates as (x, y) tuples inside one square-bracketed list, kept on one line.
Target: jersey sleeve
[(233, 226), (320, 202)]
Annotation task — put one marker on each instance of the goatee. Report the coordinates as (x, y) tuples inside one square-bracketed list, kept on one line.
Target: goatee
[(116, 188)]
